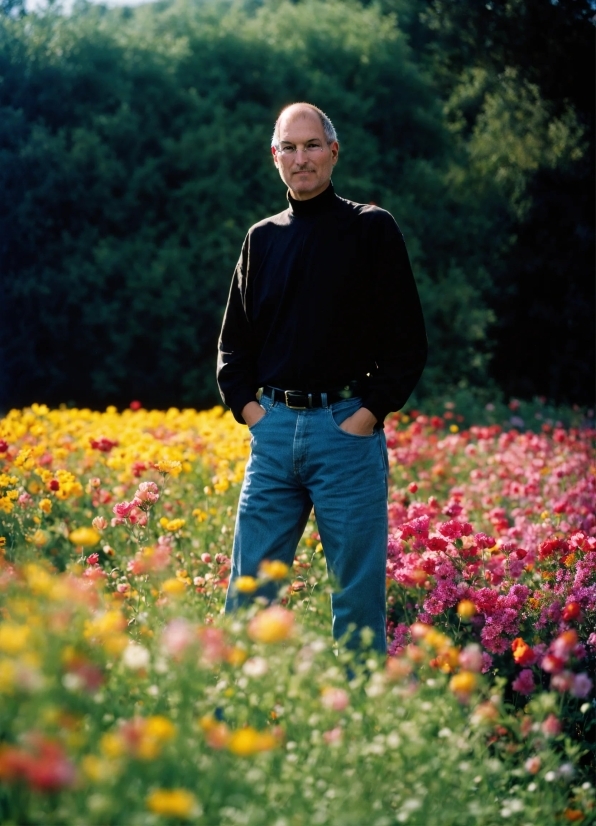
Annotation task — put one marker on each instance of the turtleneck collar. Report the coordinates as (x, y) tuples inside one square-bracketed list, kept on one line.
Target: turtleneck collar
[(313, 206)]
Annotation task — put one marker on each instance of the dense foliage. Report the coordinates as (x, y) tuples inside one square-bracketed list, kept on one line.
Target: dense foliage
[(134, 155), (126, 696)]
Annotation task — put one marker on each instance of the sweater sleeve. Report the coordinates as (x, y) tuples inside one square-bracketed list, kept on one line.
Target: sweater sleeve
[(400, 337), (236, 364)]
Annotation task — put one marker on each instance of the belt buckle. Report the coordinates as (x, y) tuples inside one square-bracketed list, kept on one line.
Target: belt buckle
[(287, 394)]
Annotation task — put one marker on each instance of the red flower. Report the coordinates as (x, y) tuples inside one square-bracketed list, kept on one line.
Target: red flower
[(104, 445), (572, 611)]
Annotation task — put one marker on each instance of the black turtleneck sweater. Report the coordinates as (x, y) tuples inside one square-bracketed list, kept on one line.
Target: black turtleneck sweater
[(323, 293)]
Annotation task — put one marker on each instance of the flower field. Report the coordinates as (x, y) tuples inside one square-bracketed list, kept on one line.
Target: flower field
[(127, 697)]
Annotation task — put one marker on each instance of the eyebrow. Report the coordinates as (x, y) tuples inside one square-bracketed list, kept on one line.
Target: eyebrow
[(308, 140)]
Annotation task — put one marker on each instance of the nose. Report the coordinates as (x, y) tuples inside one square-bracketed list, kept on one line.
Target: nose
[(301, 156)]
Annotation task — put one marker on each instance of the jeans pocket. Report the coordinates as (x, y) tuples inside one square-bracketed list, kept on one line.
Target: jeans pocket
[(339, 412), (266, 404)]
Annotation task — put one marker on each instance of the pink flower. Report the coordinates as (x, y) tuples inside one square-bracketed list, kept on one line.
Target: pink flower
[(533, 764), (137, 515), (147, 494), (177, 636), (93, 559), (333, 736), (100, 523), (524, 682), (123, 509), (206, 558), (564, 681), (487, 662), (335, 699), (455, 529), (471, 658), (562, 647), (552, 664), (551, 727), (213, 645)]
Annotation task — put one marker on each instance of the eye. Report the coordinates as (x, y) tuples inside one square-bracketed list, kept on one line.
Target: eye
[(287, 150), (313, 146)]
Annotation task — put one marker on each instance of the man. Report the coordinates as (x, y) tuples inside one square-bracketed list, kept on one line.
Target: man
[(322, 337)]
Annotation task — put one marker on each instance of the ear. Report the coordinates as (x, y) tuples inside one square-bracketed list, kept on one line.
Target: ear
[(334, 152), (275, 158)]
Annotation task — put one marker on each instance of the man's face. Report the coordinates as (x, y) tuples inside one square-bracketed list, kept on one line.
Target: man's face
[(306, 171)]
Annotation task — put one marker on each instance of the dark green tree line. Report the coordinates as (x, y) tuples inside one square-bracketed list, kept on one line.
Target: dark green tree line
[(134, 156)]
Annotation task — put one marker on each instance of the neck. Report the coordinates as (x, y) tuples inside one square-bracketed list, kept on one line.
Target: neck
[(322, 202)]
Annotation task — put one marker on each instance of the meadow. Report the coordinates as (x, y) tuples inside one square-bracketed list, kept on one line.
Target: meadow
[(127, 697)]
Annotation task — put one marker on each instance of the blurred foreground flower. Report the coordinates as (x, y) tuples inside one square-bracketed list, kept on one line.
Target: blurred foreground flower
[(41, 763), (274, 624), (178, 803), (248, 741)]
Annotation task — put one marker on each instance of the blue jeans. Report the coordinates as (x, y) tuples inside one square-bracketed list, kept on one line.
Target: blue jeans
[(301, 458)]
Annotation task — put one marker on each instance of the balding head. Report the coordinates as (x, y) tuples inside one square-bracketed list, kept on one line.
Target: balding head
[(302, 151), (297, 110)]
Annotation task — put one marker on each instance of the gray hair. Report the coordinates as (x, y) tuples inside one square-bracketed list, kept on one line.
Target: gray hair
[(328, 127)]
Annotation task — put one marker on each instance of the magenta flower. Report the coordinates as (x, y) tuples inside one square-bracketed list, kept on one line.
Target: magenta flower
[(524, 682)]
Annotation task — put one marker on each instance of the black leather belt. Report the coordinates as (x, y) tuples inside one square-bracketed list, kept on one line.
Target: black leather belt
[(301, 400)]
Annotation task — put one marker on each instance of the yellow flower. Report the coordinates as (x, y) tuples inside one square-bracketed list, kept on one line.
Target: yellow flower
[(6, 504), (274, 569), (172, 524), (274, 624), (246, 584), (173, 587), (437, 640), (453, 428), (169, 467), (248, 741), (45, 505), (96, 769), (463, 683), (466, 609), (112, 745), (236, 656), (160, 728), (39, 538), (38, 579), (172, 803), (13, 638), (87, 537)]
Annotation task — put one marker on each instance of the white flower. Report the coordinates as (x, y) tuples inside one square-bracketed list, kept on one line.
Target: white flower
[(136, 656), (256, 667)]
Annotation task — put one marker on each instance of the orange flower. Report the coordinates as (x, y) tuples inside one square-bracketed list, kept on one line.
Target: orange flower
[(466, 609), (523, 654), (573, 815)]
